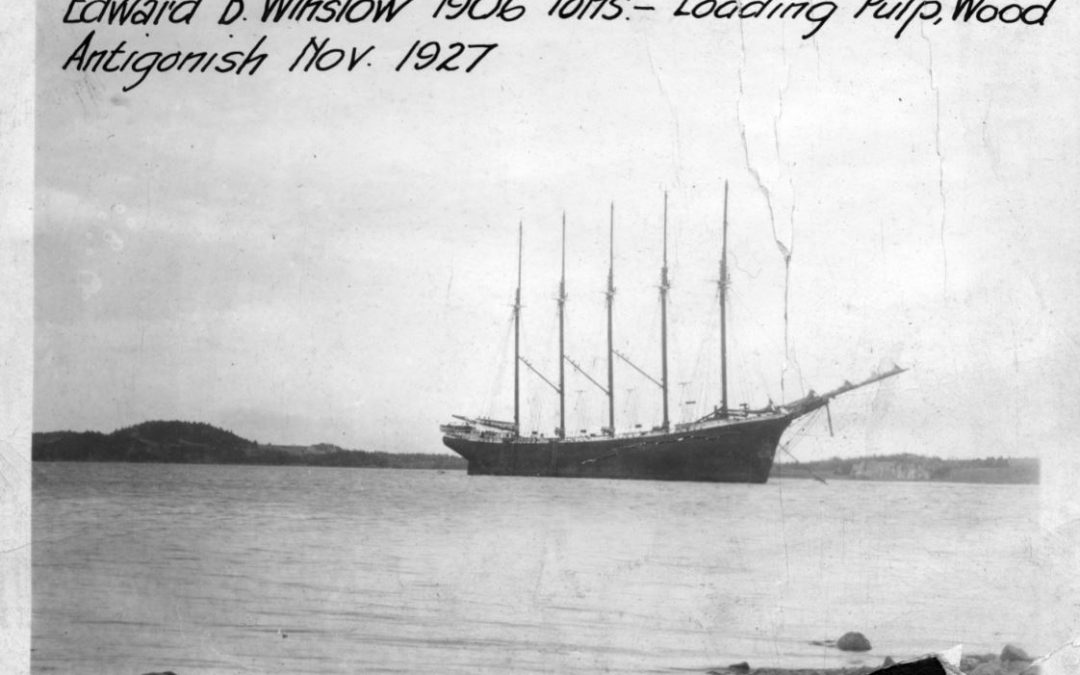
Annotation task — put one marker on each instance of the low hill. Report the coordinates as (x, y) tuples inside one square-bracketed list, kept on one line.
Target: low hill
[(199, 443)]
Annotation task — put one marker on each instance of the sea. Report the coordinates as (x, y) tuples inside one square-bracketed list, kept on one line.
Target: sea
[(256, 569)]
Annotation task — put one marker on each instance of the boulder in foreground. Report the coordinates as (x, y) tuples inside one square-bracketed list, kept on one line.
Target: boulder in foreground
[(853, 642), (1013, 653)]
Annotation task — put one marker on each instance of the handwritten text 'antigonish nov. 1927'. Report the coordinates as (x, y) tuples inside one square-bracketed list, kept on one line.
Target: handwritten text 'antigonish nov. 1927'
[(131, 52)]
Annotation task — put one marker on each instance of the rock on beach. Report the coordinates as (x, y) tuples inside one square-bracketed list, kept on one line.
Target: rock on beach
[(853, 642), (1013, 653)]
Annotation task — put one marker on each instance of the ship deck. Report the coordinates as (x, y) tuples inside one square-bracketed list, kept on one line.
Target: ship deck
[(735, 419)]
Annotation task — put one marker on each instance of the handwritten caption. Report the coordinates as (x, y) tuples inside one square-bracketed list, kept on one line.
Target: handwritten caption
[(322, 54)]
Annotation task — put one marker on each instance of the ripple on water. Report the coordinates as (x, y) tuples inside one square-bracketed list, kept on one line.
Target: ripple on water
[(276, 569)]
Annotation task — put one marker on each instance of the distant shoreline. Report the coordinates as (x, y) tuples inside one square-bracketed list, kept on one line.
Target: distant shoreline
[(176, 442), (918, 468), (173, 442)]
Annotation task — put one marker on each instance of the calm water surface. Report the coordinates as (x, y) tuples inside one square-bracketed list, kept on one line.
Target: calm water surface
[(236, 569)]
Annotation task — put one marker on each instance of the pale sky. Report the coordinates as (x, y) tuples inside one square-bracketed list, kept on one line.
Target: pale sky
[(306, 258)]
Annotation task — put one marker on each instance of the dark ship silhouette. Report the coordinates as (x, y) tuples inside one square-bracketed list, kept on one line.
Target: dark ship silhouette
[(731, 445)]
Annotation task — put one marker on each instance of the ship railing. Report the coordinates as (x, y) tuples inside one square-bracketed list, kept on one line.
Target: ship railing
[(457, 429)]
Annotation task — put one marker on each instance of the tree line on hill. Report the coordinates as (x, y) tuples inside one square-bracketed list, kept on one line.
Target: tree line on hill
[(199, 443)]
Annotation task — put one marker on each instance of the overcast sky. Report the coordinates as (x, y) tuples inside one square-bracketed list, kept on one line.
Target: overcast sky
[(331, 257)]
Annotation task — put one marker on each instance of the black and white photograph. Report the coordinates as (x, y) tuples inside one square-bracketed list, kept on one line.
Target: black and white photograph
[(566, 336)]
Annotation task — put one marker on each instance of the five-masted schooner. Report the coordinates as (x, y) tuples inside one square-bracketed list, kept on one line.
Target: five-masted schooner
[(733, 445)]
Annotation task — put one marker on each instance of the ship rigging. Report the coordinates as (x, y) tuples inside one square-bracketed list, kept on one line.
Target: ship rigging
[(726, 445)]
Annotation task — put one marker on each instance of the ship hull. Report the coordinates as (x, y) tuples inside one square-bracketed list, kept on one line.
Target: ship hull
[(740, 452)]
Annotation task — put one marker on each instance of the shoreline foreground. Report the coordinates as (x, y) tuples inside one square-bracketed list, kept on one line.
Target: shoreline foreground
[(1011, 661)]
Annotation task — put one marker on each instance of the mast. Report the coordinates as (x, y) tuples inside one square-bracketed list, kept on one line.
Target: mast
[(723, 282), (664, 286), (610, 345), (517, 342), (562, 355)]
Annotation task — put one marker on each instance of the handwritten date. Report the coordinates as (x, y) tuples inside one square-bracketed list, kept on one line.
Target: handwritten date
[(452, 57)]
